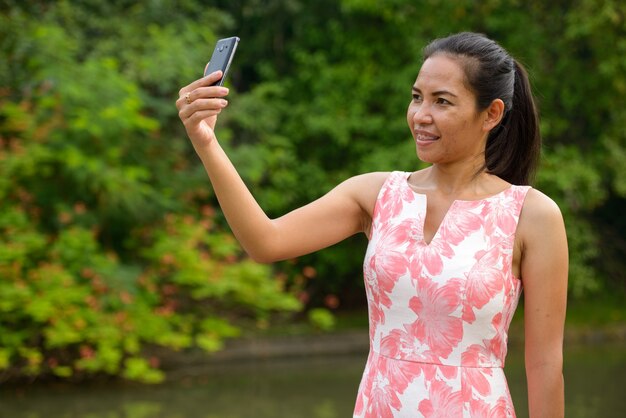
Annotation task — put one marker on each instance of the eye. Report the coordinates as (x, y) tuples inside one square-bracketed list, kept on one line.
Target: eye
[(417, 97), (442, 101)]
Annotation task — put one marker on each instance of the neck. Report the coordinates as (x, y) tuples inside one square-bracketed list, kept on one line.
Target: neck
[(456, 178)]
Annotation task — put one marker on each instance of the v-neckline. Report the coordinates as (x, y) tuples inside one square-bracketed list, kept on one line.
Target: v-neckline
[(452, 206), (443, 219)]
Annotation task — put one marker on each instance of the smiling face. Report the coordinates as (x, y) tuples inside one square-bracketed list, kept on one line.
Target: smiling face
[(446, 125)]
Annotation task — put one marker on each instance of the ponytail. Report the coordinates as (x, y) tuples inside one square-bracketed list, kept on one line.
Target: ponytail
[(514, 147)]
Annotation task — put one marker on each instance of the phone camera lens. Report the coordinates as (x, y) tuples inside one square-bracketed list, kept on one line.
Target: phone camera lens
[(221, 48)]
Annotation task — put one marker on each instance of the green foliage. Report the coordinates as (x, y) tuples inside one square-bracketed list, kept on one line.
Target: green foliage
[(333, 105), (322, 319), (109, 245), (104, 251)]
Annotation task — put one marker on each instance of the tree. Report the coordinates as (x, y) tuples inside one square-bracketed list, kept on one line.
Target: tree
[(106, 249), (110, 238)]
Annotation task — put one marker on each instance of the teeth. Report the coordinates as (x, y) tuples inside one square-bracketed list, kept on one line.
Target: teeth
[(422, 137)]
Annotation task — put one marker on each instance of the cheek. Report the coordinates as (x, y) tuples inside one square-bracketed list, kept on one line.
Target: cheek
[(457, 127), (462, 135), (454, 125)]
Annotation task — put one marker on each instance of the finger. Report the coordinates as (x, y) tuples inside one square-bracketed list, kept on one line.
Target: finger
[(198, 117), (200, 105), (184, 99), (201, 93), (204, 81), (209, 92), (215, 76)]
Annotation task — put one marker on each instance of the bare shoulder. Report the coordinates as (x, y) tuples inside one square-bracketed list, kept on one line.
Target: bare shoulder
[(538, 207), (540, 216), (364, 188), (369, 181)]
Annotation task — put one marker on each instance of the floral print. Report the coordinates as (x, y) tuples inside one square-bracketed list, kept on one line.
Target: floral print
[(439, 311)]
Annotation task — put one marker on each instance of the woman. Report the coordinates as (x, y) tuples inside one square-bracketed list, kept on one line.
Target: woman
[(450, 246)]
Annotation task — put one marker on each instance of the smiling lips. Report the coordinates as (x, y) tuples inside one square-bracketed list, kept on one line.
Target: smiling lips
[(425, 136)]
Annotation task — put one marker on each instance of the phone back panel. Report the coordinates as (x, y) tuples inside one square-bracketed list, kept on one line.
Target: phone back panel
[(222, 57)]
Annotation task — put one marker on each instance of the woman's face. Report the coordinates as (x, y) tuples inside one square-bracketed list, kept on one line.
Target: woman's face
[(442, 115)]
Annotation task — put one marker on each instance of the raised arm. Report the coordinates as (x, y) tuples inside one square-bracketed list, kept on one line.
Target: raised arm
[(339, 214), (544, 270)]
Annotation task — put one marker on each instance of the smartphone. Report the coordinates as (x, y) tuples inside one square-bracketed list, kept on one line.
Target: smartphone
[(222, 57)]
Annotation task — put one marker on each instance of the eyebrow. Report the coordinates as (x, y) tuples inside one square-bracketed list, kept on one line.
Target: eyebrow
[(436, 93)]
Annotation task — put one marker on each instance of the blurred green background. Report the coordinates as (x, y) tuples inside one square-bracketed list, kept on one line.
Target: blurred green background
[(112, 246)]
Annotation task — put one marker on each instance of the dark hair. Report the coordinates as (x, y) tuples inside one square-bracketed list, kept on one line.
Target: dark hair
[(513, 147)]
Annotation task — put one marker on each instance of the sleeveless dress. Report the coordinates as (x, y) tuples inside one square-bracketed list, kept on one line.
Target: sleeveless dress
[(439, 312)]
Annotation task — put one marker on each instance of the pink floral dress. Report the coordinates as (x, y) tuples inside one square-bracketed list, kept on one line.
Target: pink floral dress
[(439, 312)]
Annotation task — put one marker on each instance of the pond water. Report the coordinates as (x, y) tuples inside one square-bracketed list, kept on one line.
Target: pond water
[(310, 387)]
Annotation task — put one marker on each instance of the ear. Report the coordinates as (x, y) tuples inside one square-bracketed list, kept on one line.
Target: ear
[(493, 114)]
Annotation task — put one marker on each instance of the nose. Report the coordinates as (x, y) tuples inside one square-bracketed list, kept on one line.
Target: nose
[(422, 115)]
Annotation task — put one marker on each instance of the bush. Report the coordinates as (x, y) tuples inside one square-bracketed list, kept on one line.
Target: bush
[(107, 245)]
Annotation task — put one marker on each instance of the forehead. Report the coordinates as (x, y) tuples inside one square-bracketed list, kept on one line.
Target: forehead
[(442, 72)]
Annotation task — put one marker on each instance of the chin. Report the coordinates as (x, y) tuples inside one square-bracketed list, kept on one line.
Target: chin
[(424, 157)]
